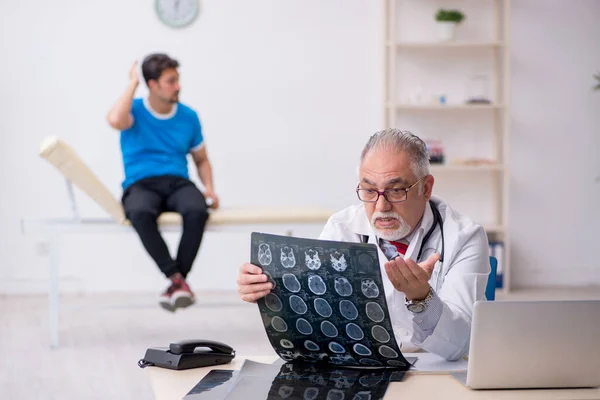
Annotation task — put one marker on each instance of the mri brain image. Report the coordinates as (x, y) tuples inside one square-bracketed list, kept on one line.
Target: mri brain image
[(279, 324), (322, 307), (288, 260), (310, 345), (304, 327), (312, 260), (316, 285), (311, 393), (327, 305), (366, 261), (362, 350), (371, 380), (298, 305), (273, 302), (286, 391), (342, 286), (336, 347), (380, 334), (374, 312), (338, 261), (336, 394), (291, 283), (264, 254), (388, 352), (369, 288), (348, 310), (354, 332), (329, 329), (305, 382)]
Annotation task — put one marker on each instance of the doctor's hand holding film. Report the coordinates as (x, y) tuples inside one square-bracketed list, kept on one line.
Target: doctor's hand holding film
[(252, 283)]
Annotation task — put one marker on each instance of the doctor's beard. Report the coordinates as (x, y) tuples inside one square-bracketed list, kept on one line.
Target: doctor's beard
[(400, 233)]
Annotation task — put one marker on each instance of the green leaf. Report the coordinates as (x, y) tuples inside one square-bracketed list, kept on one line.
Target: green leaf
[(443, 15)]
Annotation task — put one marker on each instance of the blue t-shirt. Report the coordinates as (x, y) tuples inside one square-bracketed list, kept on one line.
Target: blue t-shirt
[(158, 144)]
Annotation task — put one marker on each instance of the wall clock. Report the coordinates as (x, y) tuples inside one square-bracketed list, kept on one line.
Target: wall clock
[(177, 13)]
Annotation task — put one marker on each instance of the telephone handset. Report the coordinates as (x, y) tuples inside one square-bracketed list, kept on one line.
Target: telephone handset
[(191, 346), (187, 354)]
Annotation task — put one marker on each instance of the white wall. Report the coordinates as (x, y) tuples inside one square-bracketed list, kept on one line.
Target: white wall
[(288, 91), (555, 160)]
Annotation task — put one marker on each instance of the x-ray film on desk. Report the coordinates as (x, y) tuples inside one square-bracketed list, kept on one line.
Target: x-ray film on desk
[(328, 302)]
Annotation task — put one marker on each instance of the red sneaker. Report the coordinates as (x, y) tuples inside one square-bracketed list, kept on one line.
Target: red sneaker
[(166, 298), (182, 296)]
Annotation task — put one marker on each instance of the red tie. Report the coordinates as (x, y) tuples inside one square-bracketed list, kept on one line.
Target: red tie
[(401, 247)]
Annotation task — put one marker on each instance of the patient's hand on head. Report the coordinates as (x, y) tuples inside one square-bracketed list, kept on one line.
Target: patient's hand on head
[(252, 283)]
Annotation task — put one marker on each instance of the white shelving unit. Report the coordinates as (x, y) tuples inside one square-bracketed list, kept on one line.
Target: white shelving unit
[(466, 168), (448, 107), (445, 45), (486, 42)]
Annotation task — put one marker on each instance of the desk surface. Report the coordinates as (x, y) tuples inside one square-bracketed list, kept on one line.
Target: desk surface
[(174, 385)]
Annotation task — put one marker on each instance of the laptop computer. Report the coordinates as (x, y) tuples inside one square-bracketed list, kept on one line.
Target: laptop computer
[(534, 344)]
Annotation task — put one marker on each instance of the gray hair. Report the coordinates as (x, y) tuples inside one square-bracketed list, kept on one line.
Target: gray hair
[(398, 140)]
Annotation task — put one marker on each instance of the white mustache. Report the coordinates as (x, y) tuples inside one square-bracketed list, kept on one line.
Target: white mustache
[(388, 214), (399, 233)]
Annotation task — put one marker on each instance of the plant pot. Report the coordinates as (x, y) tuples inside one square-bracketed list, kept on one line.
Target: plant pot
[(446, 30)]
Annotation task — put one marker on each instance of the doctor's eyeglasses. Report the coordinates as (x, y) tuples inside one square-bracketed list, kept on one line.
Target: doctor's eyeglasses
[(395, 195)]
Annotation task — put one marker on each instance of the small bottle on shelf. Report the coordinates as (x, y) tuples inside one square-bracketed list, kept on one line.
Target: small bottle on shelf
[(436, 151)]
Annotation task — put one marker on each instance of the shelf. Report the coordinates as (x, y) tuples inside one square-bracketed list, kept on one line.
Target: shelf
[(415, 56), (450, 45), (448, 107), (466, 168)]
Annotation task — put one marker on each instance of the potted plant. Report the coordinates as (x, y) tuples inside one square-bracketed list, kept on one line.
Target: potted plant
[(447, 20)]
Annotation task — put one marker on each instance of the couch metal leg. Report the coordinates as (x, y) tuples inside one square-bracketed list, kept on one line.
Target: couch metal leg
[(54, 289)]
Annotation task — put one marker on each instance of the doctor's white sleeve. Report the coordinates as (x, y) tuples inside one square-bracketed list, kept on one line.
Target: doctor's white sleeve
[(424, 323), (464, 284)]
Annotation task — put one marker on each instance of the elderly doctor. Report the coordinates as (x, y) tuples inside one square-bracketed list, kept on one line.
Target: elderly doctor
[(434, 261)]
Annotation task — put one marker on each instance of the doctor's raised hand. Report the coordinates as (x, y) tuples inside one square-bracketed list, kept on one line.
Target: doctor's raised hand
[(252, 283), (411, 278)]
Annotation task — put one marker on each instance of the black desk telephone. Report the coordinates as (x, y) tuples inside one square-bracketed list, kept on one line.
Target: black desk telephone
[(188, 354)]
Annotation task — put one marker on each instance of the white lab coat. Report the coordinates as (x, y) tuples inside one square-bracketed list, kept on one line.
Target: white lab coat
[(459, 281)]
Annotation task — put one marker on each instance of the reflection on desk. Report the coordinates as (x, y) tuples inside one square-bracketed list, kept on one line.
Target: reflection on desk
[(174, 385), (305, 381)]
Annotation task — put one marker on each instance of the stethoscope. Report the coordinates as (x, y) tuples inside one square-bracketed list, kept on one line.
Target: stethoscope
[(437, 221)]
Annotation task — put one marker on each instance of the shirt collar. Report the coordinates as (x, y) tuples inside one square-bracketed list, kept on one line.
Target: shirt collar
[(158, 115)]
